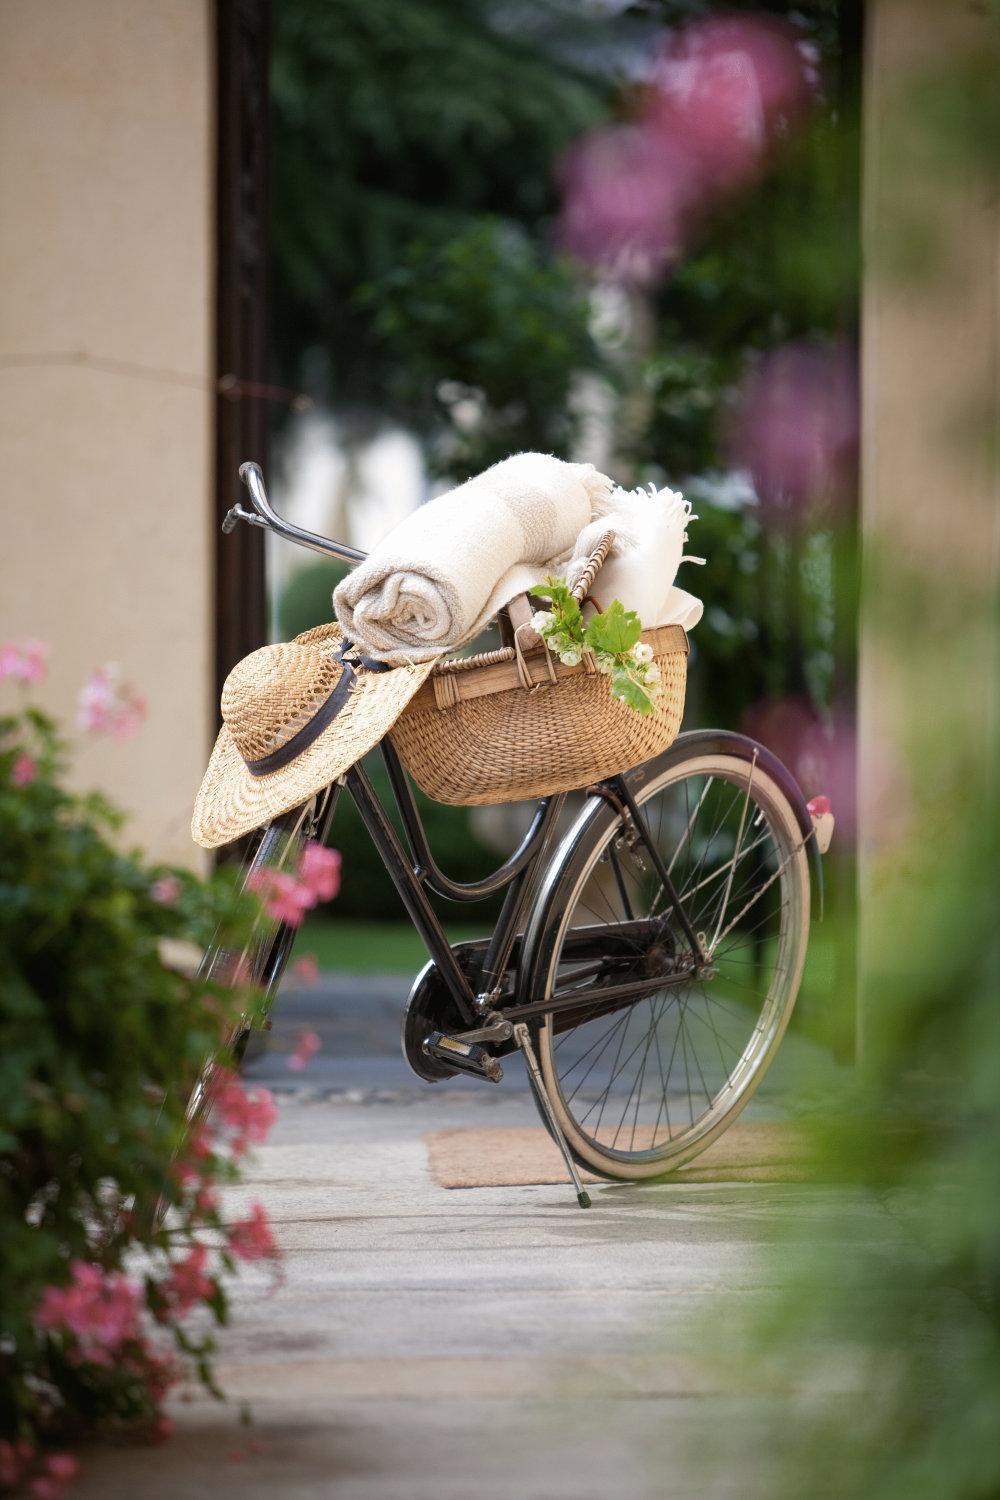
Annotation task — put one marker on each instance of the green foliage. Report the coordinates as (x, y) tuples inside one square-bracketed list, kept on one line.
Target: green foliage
[(307, 598), (99, 1043), (481, 336), (612, 637), (615, 631), (405, 136)]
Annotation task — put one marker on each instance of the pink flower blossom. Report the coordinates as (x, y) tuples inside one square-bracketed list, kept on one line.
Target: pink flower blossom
[(306, 969), (165, 890), (100, 1309), (63, 1466), (319, 871), (818, 752), (23, 661), (187, 1282), (109, 706), (206, 1200), (24, 770), (251, 1238), (285, 898), (45, 1487), (817, 807), (796, 428), (626, 194), (306, 1048), (14, 1457), (249, 1116), (726, 89)]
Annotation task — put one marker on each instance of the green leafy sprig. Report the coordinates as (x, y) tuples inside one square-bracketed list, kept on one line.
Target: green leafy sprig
[(613, 638)]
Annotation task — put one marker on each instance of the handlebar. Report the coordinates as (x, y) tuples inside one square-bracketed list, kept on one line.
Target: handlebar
[(268, 518)]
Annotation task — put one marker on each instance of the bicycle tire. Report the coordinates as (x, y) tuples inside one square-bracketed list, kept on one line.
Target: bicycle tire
[(654, 1150)]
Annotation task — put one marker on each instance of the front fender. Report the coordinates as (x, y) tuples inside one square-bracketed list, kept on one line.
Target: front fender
[(598, 811)]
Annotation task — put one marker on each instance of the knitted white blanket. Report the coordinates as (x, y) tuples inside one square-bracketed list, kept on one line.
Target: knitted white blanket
[(650, 528), (440, 575)]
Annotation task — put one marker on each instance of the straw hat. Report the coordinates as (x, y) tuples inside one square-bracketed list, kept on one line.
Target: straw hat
[(295, 716)]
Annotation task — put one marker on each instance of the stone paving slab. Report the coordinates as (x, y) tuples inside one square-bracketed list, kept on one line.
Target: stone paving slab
[(475, 1344)]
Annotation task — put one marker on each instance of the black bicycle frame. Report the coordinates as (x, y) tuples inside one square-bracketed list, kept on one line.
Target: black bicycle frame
[(415, 874)]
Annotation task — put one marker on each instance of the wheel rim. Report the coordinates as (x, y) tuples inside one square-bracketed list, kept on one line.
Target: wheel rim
[(640, 1090)]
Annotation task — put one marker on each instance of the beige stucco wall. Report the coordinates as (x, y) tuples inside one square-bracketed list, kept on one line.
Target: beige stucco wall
[(930, 483), (106, 255)]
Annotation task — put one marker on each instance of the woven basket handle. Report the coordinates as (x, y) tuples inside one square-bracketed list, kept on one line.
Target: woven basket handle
[(519, 610)]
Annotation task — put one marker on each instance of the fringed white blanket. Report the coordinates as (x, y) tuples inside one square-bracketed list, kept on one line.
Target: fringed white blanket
[(436, 580), (650, 530)]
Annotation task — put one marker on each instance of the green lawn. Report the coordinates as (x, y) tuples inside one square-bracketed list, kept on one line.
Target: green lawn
[(354, 947)]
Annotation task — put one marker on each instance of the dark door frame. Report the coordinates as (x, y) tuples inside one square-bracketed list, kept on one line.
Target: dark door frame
[(243, 35)]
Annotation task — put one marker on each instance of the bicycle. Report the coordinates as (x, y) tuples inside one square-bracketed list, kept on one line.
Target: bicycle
[(648, 951)]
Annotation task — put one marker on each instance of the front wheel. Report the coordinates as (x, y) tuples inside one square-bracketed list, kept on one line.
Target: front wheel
[(641, 1088), (262, 962)]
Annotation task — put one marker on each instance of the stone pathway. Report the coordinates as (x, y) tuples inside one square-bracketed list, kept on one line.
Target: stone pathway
[(477, 1344)]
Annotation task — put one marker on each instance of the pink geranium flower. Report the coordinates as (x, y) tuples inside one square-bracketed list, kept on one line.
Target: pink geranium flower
[(100, 1309), (23, 661), (24, 770), (249, 1116), (306, 969), (285, 898), (14, 1457), (109, 706), (251, 1238), (796, 428), (726, 89), (319, 871), (187, 1282), (306, 1048), (165, 890)]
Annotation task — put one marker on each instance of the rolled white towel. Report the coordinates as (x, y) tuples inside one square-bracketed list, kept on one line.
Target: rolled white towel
[(650, 528), (436, 579)]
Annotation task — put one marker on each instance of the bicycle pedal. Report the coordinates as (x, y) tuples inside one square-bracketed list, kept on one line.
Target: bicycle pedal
[(462, 1057)]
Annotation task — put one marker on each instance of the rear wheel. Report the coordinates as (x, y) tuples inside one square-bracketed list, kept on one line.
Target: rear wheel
[(641, 1088)]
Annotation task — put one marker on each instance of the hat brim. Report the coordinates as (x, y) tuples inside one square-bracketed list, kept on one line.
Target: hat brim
[(232, 801)]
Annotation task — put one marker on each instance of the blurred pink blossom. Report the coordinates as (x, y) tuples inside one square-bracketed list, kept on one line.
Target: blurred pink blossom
[(251, 1238), (249, 1116), (796, 427), (285, 898), (187, 1282), (818, 807), (319, 871), (165, 890), (23, 661), (306, 1048), (625, 194), (14, 1457), (100, 1309), (24, 770), (107, 705), (306, 968), (818, 753), (725, 90)]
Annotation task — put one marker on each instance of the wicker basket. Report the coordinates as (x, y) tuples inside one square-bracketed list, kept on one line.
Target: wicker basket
[(515, 723)]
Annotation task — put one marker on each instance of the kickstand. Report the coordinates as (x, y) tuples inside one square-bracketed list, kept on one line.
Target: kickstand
[(523, 1040)]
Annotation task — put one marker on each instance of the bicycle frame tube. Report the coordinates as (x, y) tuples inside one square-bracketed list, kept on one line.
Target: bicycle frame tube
[(409, 882), (426, 866)]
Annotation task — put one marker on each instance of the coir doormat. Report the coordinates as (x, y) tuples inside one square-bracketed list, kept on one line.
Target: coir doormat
[(750, 1151)]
